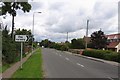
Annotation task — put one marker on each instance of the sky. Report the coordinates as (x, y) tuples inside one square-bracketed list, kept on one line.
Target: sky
[(61, 16)]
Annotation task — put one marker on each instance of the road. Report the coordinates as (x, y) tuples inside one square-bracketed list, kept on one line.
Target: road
[(58, 64)]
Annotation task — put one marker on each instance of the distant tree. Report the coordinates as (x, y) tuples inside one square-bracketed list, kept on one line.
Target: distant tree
[(12, 7), (81, 43), (74, 43), (46, 43), (98, 40), (77, 43)]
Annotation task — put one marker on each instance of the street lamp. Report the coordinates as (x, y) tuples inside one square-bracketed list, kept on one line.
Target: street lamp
[(33, 29)]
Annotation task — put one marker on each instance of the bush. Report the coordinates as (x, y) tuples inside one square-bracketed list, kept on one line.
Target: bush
[(64, 48), (57, 46), (107, 55)]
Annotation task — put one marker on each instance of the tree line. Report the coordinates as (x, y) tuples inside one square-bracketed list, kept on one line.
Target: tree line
[(10, 48), (98, 40)]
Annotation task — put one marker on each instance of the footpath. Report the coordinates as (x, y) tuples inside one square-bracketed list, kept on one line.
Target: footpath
[(10, 71)]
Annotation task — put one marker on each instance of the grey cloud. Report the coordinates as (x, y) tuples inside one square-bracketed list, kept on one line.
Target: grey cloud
[(36, 5), (104, 12), (101, 15), (65, 23), (56, 6)]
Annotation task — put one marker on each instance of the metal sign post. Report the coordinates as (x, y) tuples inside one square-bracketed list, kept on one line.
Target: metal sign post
[(21, 38), (21, 55)]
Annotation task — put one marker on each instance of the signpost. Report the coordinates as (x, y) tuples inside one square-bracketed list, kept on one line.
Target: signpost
[(21, 38)]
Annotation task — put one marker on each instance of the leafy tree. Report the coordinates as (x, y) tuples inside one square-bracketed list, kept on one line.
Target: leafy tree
[(98, 40), (46, 43), (77, 43), (64, 47), (23, 32), (8, 47), (12, 7)]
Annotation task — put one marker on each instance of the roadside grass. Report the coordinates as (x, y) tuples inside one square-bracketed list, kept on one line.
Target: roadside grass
[(4, 67), (32, 68)]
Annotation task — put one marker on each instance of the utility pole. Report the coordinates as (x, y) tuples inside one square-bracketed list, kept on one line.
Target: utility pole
[(86, 38), (67, 37)]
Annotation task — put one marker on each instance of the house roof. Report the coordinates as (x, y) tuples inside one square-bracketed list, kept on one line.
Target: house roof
[(113, 36), (112, 44)]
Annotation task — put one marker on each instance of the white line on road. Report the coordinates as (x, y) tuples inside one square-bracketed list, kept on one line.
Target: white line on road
[(67, 58), (110, 78), (60, 55), (80, 64)]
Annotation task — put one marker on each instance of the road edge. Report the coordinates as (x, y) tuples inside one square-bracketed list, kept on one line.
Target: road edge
[(95, 59)]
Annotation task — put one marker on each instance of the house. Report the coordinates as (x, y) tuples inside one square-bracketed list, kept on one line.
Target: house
[(88, 39), (113, 42)]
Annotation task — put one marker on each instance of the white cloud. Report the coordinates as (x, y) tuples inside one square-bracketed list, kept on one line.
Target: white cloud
[(59, 17)]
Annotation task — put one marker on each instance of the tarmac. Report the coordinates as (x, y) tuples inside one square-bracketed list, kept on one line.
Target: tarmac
[(96, 59)]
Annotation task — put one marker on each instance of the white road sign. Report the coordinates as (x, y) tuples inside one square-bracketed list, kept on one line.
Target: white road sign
[(21, 38)]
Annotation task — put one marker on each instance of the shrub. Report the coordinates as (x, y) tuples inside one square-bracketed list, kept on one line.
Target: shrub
[(64, 48), (107, 55)]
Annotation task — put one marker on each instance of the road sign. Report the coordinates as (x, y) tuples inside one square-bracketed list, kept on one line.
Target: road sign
[(21, 38)]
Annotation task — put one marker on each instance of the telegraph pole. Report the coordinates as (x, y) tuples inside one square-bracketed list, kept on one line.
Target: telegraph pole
[(67, 37), (86, 39)]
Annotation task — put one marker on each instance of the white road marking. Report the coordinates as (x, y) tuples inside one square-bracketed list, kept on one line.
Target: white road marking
[(80, 64), (110, 78), (67, 58), (60, 55)]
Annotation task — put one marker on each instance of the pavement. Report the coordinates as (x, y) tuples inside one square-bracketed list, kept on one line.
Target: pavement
[(10, 71), (58, 64)]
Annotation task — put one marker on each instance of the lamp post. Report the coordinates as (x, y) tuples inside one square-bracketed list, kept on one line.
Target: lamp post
[(33, 29)]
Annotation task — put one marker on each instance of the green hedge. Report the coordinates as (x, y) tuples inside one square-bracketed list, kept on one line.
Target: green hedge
[(64, 48), (107, 55)]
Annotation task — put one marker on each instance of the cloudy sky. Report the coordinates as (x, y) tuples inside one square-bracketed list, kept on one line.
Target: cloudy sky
[(61, 16)]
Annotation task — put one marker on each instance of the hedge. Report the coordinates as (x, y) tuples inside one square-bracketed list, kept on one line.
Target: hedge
[(107, 55)]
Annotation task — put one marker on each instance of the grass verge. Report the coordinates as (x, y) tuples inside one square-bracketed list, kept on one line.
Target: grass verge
[(32, 68), (5, 67)]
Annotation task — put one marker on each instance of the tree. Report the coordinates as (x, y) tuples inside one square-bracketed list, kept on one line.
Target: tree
[(77, 43), (12, 7), (23, 32), (46, 43), (98, 40), (8, 47)]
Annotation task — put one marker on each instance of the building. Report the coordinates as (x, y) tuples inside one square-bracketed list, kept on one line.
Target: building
[(113, 42)]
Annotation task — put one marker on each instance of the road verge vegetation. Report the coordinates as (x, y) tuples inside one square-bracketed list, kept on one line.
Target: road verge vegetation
[(32, 68), (103, 54)]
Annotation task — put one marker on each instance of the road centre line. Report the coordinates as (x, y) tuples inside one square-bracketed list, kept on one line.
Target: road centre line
[(80, 64), (110, 78), (67, 58)]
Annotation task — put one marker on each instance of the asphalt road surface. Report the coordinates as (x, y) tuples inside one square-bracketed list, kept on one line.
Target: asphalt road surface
[(58, 64)]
